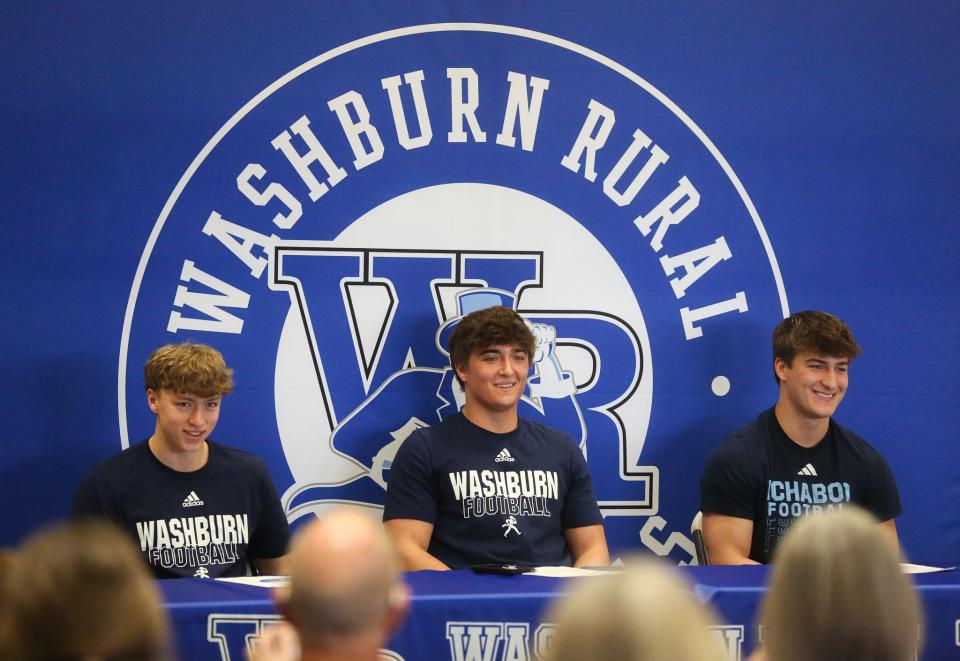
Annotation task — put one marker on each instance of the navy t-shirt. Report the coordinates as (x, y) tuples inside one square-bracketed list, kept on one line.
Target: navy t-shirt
[(758, 473), (493, 498), (205, 523)]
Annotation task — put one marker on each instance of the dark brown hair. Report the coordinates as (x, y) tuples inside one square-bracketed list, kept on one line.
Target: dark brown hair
[(812, 330), (483, 328)]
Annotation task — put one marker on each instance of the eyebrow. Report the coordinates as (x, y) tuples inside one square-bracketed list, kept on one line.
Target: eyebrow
[(497, 351)]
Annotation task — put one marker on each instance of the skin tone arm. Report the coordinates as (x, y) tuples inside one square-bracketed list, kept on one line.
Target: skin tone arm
[(727, 539), (588, 546), (889, 527), (411, 539), (271, 566)]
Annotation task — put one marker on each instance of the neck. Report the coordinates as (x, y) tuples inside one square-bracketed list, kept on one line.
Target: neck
[(361, 648), (337, 655), (805, 432), (182, 462), (498, 422)]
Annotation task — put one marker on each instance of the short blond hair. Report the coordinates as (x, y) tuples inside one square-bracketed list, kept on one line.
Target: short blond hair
[(649, 612), (837, 592), (79, 591), (191, 368)]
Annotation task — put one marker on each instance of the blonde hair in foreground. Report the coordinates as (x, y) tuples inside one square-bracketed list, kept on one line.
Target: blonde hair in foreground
[(81, 591), (647, 613), (837, 593)]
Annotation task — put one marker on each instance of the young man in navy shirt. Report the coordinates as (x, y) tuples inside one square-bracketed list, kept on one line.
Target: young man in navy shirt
[(195, 508), (794, 459), (485, 485)]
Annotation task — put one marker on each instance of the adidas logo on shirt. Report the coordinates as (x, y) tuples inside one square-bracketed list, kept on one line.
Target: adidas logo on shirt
[(504, 455), (808, 470), (192, 500)]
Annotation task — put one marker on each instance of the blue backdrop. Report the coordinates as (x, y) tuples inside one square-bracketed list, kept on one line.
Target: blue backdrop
[(308, 186)]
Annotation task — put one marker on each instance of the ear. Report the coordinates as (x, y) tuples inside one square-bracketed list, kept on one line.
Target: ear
[(152, 399), (461, 372), (780, 368)]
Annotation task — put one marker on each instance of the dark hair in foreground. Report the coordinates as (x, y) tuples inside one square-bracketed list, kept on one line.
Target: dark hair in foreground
[(812, 330), (837, 593), (80, 591), (483, 328), (648, 613)]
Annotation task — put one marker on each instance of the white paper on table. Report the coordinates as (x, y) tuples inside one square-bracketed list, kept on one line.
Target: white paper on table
[(910, 568), (566, 572), (258, 581)]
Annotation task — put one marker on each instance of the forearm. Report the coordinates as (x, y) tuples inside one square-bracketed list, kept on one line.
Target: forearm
[(728, 557), (594, 557), (588, 546), (271, 566), (728, 539), (415, 558)]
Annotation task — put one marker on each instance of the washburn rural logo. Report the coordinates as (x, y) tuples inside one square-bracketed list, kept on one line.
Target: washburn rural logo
[(330, 233)]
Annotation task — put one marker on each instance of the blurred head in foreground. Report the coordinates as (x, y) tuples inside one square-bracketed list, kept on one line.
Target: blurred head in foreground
[(345, 596), (647, 613), (837, 592), (80, 591)]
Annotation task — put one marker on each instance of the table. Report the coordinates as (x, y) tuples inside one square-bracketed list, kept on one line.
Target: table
[(468, 617)]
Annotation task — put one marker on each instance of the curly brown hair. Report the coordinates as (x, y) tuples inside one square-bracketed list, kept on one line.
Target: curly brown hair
[(188, 368), (483, 328), (812, 330)]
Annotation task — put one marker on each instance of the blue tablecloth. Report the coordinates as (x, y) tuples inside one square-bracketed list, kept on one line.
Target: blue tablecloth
[(464, 616)]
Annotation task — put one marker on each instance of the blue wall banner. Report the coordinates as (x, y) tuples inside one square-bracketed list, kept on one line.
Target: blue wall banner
[(319, 190)]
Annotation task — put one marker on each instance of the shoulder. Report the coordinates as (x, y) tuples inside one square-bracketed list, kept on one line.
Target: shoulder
[(113, 482), (419, 447), (856, 443), (439, 437), (542, 433), (543, 441), (226, 453), (122, 463), (226, 457), (748, 440)]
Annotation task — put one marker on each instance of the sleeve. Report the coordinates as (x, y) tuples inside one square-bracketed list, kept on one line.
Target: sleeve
[(412, 491), (728, 483), (272, 534), (580, 505), (884, 497), (92, 498)]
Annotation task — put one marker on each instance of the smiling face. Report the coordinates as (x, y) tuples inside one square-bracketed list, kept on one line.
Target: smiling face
[(493, 379), (184, 421), (812, 386)]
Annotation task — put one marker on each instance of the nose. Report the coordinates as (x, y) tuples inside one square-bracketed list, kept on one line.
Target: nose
[(196, 417), (829, 377)]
